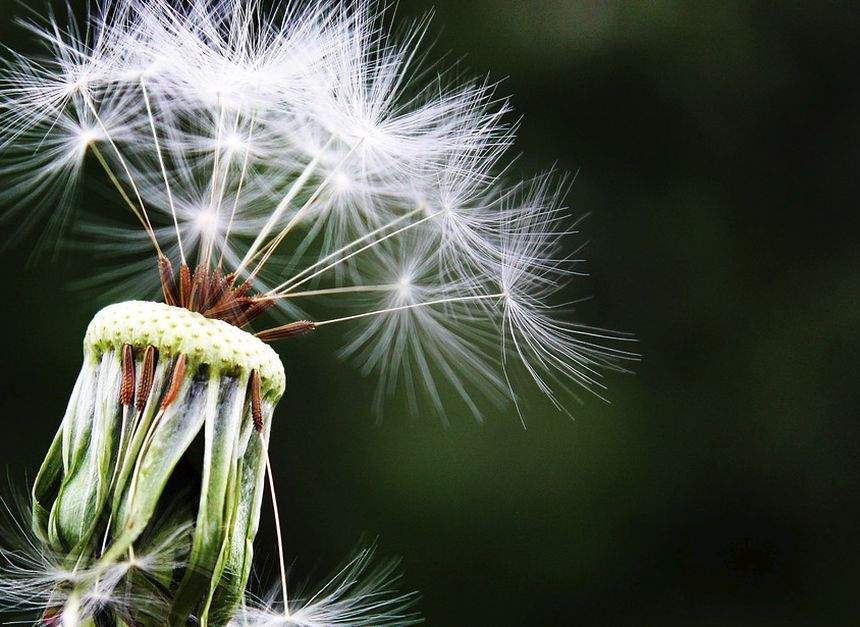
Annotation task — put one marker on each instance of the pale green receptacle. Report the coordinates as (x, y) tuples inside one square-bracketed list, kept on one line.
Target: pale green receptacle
[(102, 485)]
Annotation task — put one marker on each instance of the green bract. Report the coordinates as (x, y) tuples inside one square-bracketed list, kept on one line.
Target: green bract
[(116, 470)]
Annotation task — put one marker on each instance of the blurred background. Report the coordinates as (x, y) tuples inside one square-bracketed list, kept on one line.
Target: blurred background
[(717, 151)]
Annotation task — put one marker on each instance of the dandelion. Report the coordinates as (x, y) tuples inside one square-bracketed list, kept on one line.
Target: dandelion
[(277, 164)]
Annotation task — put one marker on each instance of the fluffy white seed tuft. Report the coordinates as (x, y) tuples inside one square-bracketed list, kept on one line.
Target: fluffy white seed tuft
[(34, 579), (360, 594), (321, 159)]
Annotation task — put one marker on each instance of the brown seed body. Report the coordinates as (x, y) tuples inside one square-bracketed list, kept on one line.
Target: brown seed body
[(147, 375), (168, 282), (176, 382), (287, 331), (126, 390), (256, 401), (184, 285)]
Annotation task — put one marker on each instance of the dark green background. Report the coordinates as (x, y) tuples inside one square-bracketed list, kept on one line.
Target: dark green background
[(717, 150)]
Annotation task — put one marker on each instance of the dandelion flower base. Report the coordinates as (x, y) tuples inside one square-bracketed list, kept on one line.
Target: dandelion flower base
[(155, 380), (175, 330)]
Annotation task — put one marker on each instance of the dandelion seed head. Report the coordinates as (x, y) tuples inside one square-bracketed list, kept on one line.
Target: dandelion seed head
[(297, 149), (89, 136), (207, 221)]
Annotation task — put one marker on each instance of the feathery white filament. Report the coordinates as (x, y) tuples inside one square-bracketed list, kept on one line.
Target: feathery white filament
[(161, 164), (432, 303), (297, 150), (358, 594), (281, 558)]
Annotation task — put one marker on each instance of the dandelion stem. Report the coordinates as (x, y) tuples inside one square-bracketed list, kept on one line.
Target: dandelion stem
[(281, 561), (342, 250), (116, 182), (217, 197), (161, 164), (334, 290), (359, 251), (295, 188), (272, 246), (145, 219), (103, 161), (441, 301), (242, 175), (508, 376)]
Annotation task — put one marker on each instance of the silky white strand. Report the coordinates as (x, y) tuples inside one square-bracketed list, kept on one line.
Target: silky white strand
[(346, 161)]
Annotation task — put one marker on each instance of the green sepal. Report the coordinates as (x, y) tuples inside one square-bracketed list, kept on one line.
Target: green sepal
[(170, 435), (46, 487), (140, 431), (210, 614), (223, 416), (240, 552), (78, 507)]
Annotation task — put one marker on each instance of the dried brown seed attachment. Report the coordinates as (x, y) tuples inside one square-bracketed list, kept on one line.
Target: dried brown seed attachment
[(126, 388), (175, 382), (147, 375), (212, 293), (199, 288), (215, 291), (287, 331), (256, 306), (228, 308), (256, 401), (184, 285), (168, 282)]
